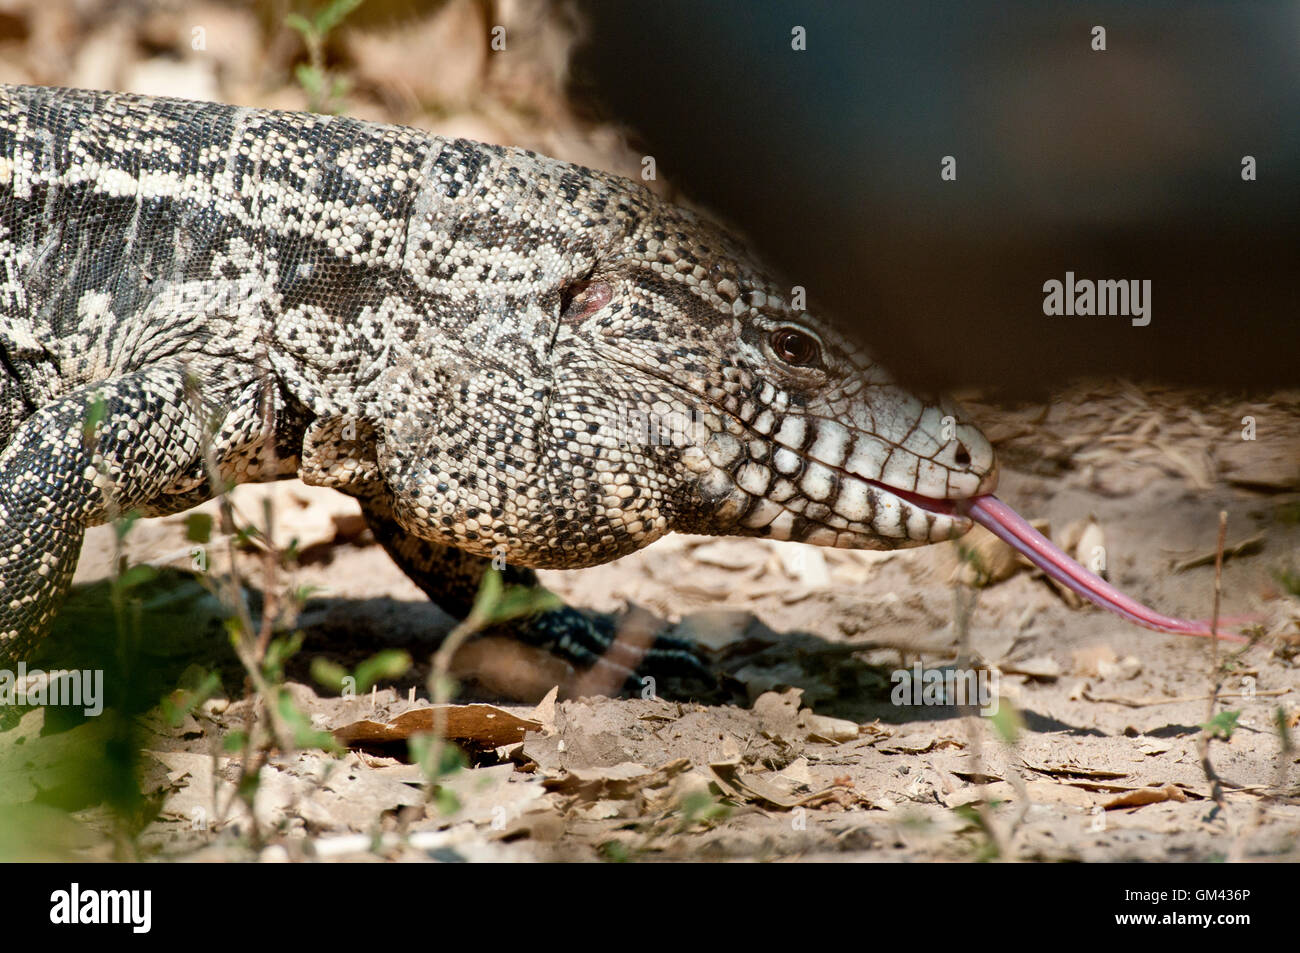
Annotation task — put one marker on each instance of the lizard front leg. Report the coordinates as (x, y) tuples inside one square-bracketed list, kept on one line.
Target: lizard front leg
[(102, 449), (451, 578)]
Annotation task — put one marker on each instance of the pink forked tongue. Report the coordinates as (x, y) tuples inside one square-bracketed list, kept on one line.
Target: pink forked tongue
[(1005, 523)]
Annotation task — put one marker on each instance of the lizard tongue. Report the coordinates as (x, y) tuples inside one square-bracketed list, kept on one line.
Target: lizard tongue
[(1009, 526)]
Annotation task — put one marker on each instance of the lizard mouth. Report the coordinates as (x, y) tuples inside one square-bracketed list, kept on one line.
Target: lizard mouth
[(1009, 526), (931, 504)]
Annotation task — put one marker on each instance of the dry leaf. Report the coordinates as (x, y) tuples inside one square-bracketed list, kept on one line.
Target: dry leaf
[(823, 728), (1074, 771), (1244, 547), (1142, 796), (616, 782), (1040, 666), (768, 788), (484, 726)]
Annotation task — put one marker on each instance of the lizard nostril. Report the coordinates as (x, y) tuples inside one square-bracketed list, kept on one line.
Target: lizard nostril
[(963, 455)]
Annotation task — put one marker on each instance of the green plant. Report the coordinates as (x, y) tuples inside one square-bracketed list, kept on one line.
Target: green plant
[(324, 89), (1221, 725), (388, 664), (1288, 579), (494, 603)]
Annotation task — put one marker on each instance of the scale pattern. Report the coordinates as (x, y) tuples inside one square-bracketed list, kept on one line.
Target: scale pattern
[(498, 353)]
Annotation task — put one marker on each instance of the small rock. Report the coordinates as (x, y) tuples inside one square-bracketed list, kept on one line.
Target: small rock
[(1090, 659)]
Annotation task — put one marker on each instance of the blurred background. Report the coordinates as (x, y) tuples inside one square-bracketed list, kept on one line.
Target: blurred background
[(1122, 163), (1115, 163)]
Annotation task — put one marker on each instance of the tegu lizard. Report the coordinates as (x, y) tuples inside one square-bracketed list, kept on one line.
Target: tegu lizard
[(482, 345)]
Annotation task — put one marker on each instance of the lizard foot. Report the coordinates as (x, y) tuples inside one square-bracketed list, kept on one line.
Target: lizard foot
[(628, 655)]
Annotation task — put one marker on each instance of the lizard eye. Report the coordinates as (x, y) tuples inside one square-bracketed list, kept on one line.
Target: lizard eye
[(584, 298), (795, 347)]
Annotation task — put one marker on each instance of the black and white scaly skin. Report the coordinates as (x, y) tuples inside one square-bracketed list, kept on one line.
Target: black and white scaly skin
[(467, 338)]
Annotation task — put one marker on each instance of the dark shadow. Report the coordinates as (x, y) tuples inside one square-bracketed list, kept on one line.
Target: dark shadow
[(178, 628), (1042, 724), (1173, 731)]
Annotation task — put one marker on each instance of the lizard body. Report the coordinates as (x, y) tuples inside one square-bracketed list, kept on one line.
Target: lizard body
[(457, 334)]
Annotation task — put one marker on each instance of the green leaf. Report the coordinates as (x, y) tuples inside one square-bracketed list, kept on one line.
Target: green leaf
[(971, 556), (302, 593), (1288, 580), (234, 741), (446, 801), (296, 21), (1222, 725), (305, 735), (521, 601), (1283, 728), (495, 604), (450, 758), (334, 14), (234, 626), (95, 415), (246, 534), (124, 523), (248, 786), (198, 527), (328, 674), (388, 664), (309, 78), (180, 703), (135, 576), (615, 852), (969, 814), (489, 593), (701, 807), (1006, 721), (279, 652)]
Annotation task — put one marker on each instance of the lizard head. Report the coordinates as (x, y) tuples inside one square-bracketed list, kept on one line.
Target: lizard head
[(769, 421), (739, 413), (623, 368)]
